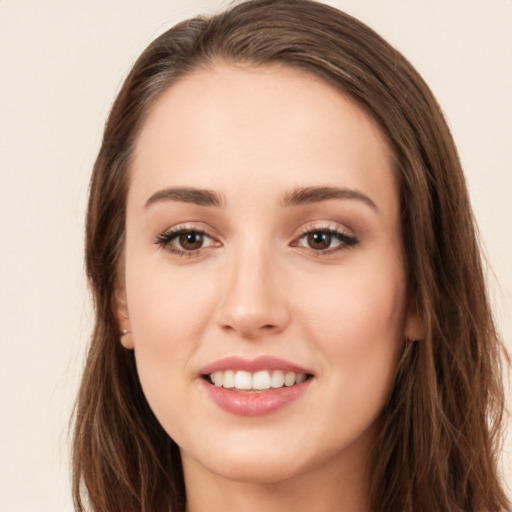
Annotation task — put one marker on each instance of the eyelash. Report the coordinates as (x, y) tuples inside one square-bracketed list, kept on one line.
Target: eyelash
[(165, 240), (345, 240)]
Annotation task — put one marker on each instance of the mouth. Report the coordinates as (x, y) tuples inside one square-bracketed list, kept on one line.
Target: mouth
[(261, 381), (255, 387)]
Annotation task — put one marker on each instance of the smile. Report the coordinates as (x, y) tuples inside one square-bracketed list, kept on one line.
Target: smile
[(254, 387), (262, 380)]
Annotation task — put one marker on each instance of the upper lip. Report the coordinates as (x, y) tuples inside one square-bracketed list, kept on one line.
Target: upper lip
[(252, 365)]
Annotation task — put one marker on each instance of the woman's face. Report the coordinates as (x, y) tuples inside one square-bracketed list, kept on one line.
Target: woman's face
[(264, 276)]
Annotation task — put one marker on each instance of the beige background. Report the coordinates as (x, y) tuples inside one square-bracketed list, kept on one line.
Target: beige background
[(61, 64)]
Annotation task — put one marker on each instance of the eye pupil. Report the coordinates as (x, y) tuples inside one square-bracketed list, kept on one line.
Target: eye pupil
[(319, 240), (191, 240)]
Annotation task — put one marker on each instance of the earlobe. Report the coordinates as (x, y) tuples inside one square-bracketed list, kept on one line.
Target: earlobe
[(414, 326), (123, 319)]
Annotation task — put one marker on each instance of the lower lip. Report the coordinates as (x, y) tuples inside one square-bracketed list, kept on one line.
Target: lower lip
[(243, 403)]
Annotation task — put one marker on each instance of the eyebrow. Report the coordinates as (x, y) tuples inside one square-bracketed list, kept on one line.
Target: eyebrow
[(201, 197), (318, 194), (205, 197)]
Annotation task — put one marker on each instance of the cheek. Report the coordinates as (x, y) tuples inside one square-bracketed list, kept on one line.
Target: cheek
[(357, 328), (168, 312), (357, 323), (167, 307), (351, 303)]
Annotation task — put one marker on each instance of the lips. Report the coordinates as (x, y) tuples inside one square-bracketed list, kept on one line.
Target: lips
[(254, 387), (252, 365)]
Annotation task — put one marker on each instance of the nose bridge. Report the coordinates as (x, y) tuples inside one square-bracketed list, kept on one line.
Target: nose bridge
[(252, 302)]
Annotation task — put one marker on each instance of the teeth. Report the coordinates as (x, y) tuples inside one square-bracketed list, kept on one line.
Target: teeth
[(301, 377), (243, 380), (289, 379), (261, 380), (258, 381), (217, 378), (229, 379), (277, 379)]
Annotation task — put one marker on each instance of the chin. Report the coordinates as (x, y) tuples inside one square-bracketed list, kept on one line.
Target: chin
[(256, 469), (253, 455), (260, 458)]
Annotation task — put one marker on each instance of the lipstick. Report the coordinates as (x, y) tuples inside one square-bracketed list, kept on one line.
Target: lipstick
[(254, 387)]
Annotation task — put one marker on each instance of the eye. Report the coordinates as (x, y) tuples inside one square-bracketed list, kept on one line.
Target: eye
[(185, 242), (319, 240), (190, 240), (324, 241)]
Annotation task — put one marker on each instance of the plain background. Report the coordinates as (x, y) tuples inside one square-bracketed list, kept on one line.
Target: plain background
[(61, 64)]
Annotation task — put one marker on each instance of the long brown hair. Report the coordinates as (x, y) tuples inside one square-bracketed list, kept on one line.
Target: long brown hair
[(439, 441)]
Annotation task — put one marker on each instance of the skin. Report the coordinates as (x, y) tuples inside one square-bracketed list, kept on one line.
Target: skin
[(253, 135)]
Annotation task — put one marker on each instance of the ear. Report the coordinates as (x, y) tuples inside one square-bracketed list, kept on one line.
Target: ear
[(123, 318), (414, 326)]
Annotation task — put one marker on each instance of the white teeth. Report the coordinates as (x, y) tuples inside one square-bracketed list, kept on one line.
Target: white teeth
[(289, 379), (277, 379), (243, 380), (229, 379), (218, 378), (261, 380), (258, 381), (301, 377)]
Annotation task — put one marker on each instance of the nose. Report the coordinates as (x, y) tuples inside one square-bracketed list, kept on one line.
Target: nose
[(254, 303)]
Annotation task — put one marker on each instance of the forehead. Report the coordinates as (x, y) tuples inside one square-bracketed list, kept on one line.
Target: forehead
[(270, 124)]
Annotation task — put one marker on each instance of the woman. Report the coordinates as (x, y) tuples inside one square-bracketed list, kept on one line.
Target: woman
[(290, 308)]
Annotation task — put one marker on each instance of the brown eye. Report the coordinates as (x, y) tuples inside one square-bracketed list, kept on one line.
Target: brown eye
[(319, 240), (325, 241), (186, 242), (191, 240)]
